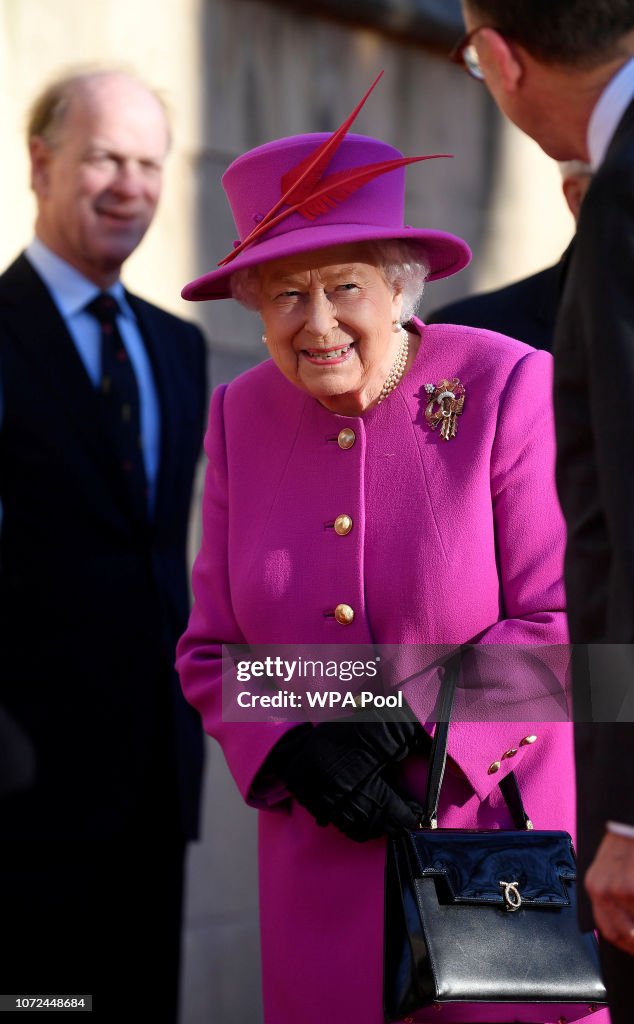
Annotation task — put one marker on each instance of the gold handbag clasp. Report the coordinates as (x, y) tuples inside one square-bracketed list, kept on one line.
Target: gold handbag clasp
[(512, 898)]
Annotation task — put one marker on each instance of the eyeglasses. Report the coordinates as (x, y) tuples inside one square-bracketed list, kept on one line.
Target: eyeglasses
[(465, 54)]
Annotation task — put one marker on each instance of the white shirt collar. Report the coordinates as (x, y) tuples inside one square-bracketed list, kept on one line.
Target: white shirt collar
[(70, 289), (609, 110)]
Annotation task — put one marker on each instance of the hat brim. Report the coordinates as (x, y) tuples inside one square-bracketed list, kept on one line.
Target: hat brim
[(445, 253)]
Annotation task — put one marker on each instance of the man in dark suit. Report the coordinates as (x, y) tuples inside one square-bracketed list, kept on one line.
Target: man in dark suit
[(101, 430), (563, 71), (526, 309)]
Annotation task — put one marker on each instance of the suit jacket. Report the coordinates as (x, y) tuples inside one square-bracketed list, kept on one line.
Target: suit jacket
[(92, 597), (594, 392), (450, 542), (525, 310)]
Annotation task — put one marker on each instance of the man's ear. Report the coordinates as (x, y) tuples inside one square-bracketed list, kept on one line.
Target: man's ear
[(504, 56), (40, 155)]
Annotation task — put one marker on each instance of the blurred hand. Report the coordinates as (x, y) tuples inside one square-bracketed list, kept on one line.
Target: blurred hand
[(610, 885)]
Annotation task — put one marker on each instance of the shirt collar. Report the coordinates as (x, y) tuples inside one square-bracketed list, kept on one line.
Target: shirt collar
[(609, 110), (70, 289)]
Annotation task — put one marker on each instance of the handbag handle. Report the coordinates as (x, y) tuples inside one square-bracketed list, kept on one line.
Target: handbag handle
[(438, 757)]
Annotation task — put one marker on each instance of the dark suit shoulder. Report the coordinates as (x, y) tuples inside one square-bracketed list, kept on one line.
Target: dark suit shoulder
[(525, 309), (19, 281), (163, 318), (175, 336), (177, 348), (483, 303), (17, 270)]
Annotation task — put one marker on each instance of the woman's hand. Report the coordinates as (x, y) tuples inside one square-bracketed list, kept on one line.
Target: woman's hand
[(338, 772)]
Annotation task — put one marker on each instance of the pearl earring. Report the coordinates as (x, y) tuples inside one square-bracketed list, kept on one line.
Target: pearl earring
[(396, 326), (264, 339)]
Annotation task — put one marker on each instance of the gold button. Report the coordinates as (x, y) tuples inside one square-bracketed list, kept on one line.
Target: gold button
[(527, 741), (346, 438), (343, 525), (344, 614), (493, 767), (509, 753)]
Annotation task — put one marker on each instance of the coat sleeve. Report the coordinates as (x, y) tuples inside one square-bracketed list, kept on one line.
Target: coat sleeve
[(528, 674), (212, 623)]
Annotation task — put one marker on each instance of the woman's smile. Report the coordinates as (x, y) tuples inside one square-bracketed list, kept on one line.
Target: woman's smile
[(329, 356)]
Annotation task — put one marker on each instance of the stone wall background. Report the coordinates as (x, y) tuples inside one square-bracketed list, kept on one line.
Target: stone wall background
[(237, 73)]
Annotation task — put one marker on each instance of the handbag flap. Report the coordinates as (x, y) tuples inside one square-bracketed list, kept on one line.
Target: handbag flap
[(480, 866)]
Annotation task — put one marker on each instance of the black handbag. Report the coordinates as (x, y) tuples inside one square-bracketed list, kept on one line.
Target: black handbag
[(482, 925)]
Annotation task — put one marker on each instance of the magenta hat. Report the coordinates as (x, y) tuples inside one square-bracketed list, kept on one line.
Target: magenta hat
[(307, 192)]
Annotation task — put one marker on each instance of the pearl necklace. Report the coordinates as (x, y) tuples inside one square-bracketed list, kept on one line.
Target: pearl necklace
[(398, 368)]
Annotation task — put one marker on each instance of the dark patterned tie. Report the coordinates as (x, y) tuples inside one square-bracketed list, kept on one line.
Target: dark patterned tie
[(121, 394)]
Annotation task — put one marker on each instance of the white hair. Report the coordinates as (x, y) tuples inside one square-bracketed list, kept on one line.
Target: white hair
[(405, 268), (402, 263)]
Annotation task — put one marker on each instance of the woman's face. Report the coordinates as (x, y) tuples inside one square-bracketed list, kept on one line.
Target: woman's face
[(328, 319)]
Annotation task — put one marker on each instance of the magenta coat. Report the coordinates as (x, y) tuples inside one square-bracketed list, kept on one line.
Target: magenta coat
[(451, 542)]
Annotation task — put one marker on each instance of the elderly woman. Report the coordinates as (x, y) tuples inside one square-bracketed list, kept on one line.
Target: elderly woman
[(335, 511)]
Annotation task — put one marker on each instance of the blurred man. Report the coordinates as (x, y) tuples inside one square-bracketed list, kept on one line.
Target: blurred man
[(563, 71), (103, 408), (526, 309)]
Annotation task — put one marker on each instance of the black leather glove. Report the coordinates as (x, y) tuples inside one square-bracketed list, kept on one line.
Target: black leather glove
[(339, 771)]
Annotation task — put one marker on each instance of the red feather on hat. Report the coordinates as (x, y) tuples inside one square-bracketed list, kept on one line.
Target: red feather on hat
[(301, 193), (299, 182), (337, 187)]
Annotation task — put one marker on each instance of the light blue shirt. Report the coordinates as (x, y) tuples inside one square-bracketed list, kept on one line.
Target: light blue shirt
[(612, 104), (71, 292)]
